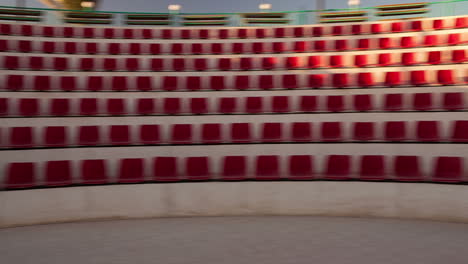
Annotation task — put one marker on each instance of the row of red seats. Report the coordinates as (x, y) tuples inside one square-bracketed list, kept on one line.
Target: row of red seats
[(392, 131), (451, 39), (37, 63), (282, 32), (230, 105), (264, 167), (16, 82)]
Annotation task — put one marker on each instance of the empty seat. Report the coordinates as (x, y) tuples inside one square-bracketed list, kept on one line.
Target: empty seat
[(36, 63), (384, 59), (341, 45), (217, 83), (335, 103), (408, 59), (242, 33), (290, 81), (320, 45), (157, 64), (28, 107), (254, 105), (460, 131), (393, 102), (181, 134), (92, 48), (301, 131), (337, 30), (406, 168), (224, 64), (166, 33), (165, 169), (461, 22), (395, 131), (131, 171), (298, 32), (128, 33), (293, 63), (198, 168), (300, 46), (267, 167), (185, 34), (25, 46), (155, 48), (238, 48), (454, 39), (200, 64), (363, 44), (21, 137), (317, 31), (87, 64), (95, 83), (169, 83), (55, 136), (280, 104), (234, 168), (338, 167), (448, 169), (58, 173), (372, 167), (5, 29), (331, 131), (116, 106), (363, 131), (362, 102), (144, 83), (392, 79), (242, 82), (94, 172), (135, 49), (278, 47), (11, 62), (211, 133), (422, 101), (245, 64), (340, 80), (204, 33), (418, 78), (42, 83), (356, 29), (361, 60), (70, 48), (178, 64), (459, 56), (445, 77), (88, 32), (397, 27), (365, 79), (88, 106), (272, 132), (427, 131), (301, 167), (223, 33), (20, 175), (4, 106), (336, 61), (308, 103), (407, 42), (132, 64), (193, 83), (217, 48), (416, 25), (227, 105), (453, 101), (198, 106), (430, 41), (89, 136), (434, 57), (60, 64), (149, 135), (119, 135), (260, 33), (240, 133), (385, 43), (258, 47)]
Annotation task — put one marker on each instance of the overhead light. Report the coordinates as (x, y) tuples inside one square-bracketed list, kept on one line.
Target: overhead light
[(87, 4), (264, 6), (174, 7), (354, 3)]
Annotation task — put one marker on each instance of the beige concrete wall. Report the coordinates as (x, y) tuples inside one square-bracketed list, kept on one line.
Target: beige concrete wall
[(366, 199)]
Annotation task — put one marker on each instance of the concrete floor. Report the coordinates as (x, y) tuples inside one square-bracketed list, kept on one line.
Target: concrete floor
[(226, 240)]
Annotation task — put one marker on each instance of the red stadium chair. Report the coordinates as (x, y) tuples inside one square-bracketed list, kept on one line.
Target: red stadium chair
[(246, 64), (4, 106), (145, 106), (110, 64), (92, 48), (11, 63), (166, 34), (430, 41), (338, 167), (132, 64), (341, 45), (280, 104), (89, 136), (224, 64), (386, 43), (227, 105), (298, 32), (223, 33), (278, 47), (453, 101), (293, 63), (242, 82), (272, 132), (198, 106), (340, 80), (407, 42), (193, 83), (393, 102), (88, 106), (459, 56), (314, 62), (70, 48), (418, 78), (87, 64), (301, 132), (177, 48), (165, 169), (336, 61), (144, 83), (94, 172), (58, 173), (185, 34), (5, 47), (155, 48), (427, 131), (335, 103), (320, 45), (268, 63), (198, 168), (95, 83), (363, 44), (267, 167), (308, 103), (234, 168), (301, 167), (365, 79), (434, 57), (240, 133), (217, 48), (217, 83), (21, 137), (178, 64), (204, 34), (42, 83), (290, 81), (68, 83), (337, 30), (29, 107), (172, 106), (363, 131), (454, 39), (109, 33), (362, 102), (385, 59), (149, 135), (181, 134), (317, 31), (20, 175), (25, 46), (211, 133), (448, 169), (279, 33), (416, 25), (170, 83), (406, 168), (254, 105), (116, 106), (408, 59), (5, 29), (131, 171), (119, 135), (461, 22), (200, 64), (392, 79), (242, 33), (356, 30), (238, 48), (197, 48), (361, 61), (331, 132), (395, 131), (14, 82), (316, 80), (422, 101), (157, 64), (60, 64), (397, 27), (459, 131), (372, 167), (88, 33), (119, 83), (258, 47), (55, 136)]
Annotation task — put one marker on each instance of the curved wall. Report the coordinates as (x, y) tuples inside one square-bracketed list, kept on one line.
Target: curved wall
[(358, 199)]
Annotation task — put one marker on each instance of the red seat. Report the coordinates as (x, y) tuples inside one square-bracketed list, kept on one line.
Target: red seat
[(89, 136), (280, 104), (110, 64), (338, 167), (197, 48), (68, 83), (109, 33), (301, 132), (155, 48), (58, 173), (408, 59), (217, 48), (397, 27), (200, 64), (42, 83), (5, 47), (60, 64), (363, 102), (395, 131), (29, 107), (416, 25), (385, 59), (238, 48), (392, 79), (317, 31), (217, 83), (20, 175), (131, 171), (11, 62), (25, 46), (119, 83), (335, 103), (227, 105), (224, 64), (341, 45), (177, 48), (393, 102), (55, 136), (459, 56), (240, 133), (68, 32), (363, 44), (340, 80), (331, 131), (170, 83), (116, 106), (315, 80), (337, 30), (178, 64), (272, 132), (88, 106), (314, 62), (185, 34), (267, 167), (88, 33), (320, 45), (418, 78), (422, 101), (95, 83), (22, 137), (356, 29), (70, 48), (234, 168), (361, 60), (198, 168), (460, 131), (448, 169), (308, 103), (172, 106), (254, 105), (407, 42), (242, 33), (434, 57), (166, 33), (113, 48), (5, 29), (453, 101), (59, 107), (242, 82), (223, 33), (290, 81), (363, 131), (181, 134), (211, 133), (461, 22), (119, 135), (245, 64), (365, 79), (4, 106), (149, 135), (14, 82), (430, 40), (94, 172), (427, 131), (385, 43), (298, 32), (257, 47), (157, 64), (454, 39), (301, 167), (165, 169), (260, 33), (406, 168), (372, 167), (193, 83), (204, 34), (144, 83), (91, 48), (87, 64), (132, 64), (376, 28), (293, 63), (128, 33), (198, 106), (279, 47)]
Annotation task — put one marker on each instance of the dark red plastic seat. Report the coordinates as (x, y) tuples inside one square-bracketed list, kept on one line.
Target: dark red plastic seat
[(301, 167), (22, 137), (363, 102), (119, 135), (172, 106), (155, 48), (241, 133), (131, 171), (453, 101), (407, 42), (181, 134), (418, 78), (198, 105), (407, 168), (314, 62), (254, 105), (363, 44), (169, 83), (301, 132), (4, 106), (363, 131), (95, 83), (392, 79), (14, 82), (272, 132), (227, 105), (459, 56), (234, 168), (279, 47), (144, 83), (408, 59), (200, 64), (361, 60), (393, 102), (55, 136), (89, 136), (445, 77), (365, 79), (198, 168), (448, 169), (177, 48), (58, 173), (280, 104), (434, 57), (385, 59), (335, 103), (430, 41), (60, 64), (308, 103), (372, 167), (211, 133), (217, 83), (59, 106), (422, 101), (28, 107), (338, 167), (290, 81), (149, 135), (145, 106), (340, 80), (331, 132), (165, 169), (116, 106), (459, 131), (20, 175), (11, 62), (94, 172), (193, 83), (267, 167), (178, 64), (427, 131), (395, 131)]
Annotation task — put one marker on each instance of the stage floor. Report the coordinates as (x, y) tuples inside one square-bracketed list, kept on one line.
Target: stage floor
[(229, 240)]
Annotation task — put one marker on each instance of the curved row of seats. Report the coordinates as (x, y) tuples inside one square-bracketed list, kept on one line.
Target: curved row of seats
[(114, 48), (39, 63), (282, 32), (16, 82), (265, 167), (29, 107), (215, 133)]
